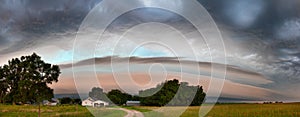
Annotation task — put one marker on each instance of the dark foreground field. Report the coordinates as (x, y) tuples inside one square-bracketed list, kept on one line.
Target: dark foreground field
[(219, 110)]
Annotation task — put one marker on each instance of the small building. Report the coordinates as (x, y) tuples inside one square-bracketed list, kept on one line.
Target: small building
[(52, 102), (94, 103), (133, 103)]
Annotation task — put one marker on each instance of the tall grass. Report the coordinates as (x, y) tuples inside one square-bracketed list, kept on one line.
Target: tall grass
[(238, 110), (56, 111)]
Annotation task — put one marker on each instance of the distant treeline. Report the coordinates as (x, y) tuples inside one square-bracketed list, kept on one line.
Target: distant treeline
[(172, 93), (68, 100), (169, 93)]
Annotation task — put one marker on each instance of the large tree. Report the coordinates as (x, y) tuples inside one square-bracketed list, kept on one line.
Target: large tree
[(26, 79)]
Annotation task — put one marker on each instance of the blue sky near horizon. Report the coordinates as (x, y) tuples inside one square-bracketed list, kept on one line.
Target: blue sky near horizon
[(66, 56), (143, 52)]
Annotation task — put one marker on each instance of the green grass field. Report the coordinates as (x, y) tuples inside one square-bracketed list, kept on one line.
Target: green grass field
[(231, 110), (56, 111), (219, 110)]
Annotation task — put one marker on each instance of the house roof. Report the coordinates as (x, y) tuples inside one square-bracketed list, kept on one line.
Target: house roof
[(89, 99), (100, 101), (93, 100)]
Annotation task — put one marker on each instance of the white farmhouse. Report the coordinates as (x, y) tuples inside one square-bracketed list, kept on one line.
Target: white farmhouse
[(94, 103), (87, 102)]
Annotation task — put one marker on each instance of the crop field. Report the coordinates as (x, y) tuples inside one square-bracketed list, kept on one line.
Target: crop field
[(231, 110)]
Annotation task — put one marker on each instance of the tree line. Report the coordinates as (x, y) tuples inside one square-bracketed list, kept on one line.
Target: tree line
[(114, 96), (172, 93)]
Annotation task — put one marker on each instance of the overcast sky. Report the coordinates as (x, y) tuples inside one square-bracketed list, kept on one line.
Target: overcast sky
[(260, 36)]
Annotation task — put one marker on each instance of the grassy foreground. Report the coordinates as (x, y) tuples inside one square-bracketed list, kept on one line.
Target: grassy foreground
[(56, 111), (219, 110), (230, 110)]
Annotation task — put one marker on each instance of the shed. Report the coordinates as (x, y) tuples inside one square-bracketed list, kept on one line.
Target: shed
[(133, 103)]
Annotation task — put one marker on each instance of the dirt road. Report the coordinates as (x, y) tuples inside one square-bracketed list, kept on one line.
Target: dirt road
[(130, 113)]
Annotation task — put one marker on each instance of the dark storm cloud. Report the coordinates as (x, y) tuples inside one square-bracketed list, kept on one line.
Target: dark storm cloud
[(274, 24), (26, 23), (3, 40), (260, 14), (146, 15), (42, 17)]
